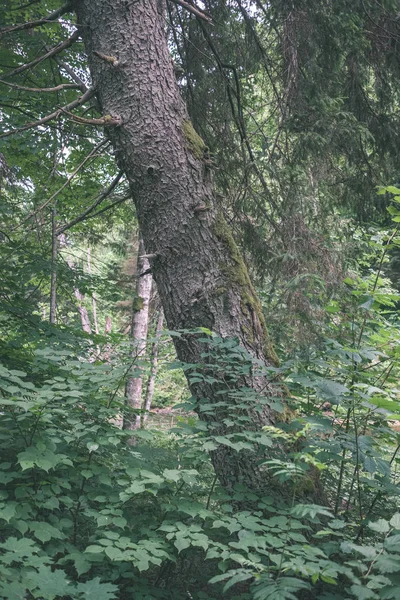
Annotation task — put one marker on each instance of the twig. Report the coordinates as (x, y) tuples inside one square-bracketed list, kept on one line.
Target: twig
[(78, 102), (31, 24), (57, 88), (56, 50), (194, 10), (102, 196)]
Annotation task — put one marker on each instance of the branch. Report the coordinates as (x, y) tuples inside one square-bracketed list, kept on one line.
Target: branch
[(194, 10), (105, 121), (56, 50), (81, 84), (110, 206), (78, 102), (30, 25), (102, 196), (90, 155), (57, 88)]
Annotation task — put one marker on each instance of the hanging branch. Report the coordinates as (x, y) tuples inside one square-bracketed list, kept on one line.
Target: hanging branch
[(57, 88), (56, 50), (239, 120), (78, 102), (102, 196), (200, 14)]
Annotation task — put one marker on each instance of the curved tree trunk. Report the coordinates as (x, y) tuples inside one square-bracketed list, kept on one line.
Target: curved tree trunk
[(200, 274)]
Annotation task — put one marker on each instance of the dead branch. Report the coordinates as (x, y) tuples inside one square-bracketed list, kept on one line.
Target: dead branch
[(30, 25), (106, 121), (81, 84), (102, 196), (78, 102), (56, 50), (57, 88), (194, 10)]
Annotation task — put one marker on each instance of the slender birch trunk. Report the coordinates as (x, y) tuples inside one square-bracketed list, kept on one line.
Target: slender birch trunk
[(54, 252), (83, 312), (139, 329), (153, 369)]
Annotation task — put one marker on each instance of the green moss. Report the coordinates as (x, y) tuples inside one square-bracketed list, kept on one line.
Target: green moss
[(194, 141), (237, 274)]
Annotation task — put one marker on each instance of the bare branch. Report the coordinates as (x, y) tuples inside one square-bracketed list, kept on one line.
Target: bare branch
[(56, 50), (102, 196), (194, 10), (78, 168), (78, 102), (110, 206), (30, 25), (105, 121), (57, 88), (71, 73)]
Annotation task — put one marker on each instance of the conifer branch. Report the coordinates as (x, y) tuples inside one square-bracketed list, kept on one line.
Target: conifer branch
[(57, 88), (106, 121), (194, 10), (31, 24), (78, 102), (52, 52)]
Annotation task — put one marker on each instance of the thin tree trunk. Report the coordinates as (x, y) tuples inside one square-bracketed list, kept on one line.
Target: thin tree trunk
[(94, 300), (83, 312), (139, 329), (153, 369), (200, 274), (54, 252)]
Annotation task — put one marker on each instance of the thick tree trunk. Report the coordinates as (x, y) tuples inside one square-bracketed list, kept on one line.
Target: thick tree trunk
[(139, 328), (200, 274), (153, 369)]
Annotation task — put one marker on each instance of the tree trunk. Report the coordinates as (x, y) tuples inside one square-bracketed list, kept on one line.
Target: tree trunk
[(200, 274), (153, 369), (83, 312), (139, 328), (54, 252)]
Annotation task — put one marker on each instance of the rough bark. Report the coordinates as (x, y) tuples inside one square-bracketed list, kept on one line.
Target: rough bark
[(153, 369), (139, 329), (200, 274)]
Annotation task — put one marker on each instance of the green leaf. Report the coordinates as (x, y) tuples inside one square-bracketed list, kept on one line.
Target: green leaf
[(380, 526), (94, 590), (395, 521), (362, 592), (47, 584), (7, 511)]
